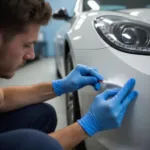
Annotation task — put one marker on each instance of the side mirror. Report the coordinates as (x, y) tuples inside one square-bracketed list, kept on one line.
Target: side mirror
[(61, 14)]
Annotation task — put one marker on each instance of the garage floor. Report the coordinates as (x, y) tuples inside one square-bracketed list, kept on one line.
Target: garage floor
[(40, 71)]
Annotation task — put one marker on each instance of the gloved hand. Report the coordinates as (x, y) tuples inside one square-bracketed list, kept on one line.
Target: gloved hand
[(107, 114), (78, 78)]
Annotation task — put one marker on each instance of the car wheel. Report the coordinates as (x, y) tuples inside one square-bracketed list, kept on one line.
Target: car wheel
[(72, 102)]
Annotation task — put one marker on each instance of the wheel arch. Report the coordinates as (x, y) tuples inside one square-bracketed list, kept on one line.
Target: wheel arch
[(76, 94), (67, 48)]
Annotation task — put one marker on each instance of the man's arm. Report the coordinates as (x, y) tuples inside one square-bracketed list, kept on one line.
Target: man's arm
[(70, 136), (16, 97)]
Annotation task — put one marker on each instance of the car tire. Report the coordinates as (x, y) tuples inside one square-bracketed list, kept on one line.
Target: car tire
[(72, 102), (58, 74)]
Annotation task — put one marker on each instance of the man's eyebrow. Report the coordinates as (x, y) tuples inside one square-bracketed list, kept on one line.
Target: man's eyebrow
[(32, 42)]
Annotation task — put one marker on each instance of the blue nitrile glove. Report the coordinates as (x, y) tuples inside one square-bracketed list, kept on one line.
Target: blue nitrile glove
[(78, 78), (108, 109)]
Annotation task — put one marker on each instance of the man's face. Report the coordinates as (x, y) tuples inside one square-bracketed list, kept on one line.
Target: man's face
[(16, 52)]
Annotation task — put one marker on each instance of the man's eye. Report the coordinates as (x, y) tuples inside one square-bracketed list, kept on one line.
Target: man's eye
[(27, 46)]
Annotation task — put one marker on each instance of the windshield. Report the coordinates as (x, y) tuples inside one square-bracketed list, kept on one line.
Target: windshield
[(114, 4)]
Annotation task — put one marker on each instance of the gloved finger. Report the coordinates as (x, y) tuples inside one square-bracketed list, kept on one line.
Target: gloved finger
[(88, 81), (92, 72), (81, 67), (97, 86), (125, 90), (95, 69), (109, 93), (132, 96), (122, 113)]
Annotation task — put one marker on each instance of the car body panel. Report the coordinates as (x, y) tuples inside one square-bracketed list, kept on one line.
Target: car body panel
[(59, 42), (134, 133), (140, 14), (88, 48)]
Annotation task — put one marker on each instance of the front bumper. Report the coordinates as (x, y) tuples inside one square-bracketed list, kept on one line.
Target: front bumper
[(119, 67)]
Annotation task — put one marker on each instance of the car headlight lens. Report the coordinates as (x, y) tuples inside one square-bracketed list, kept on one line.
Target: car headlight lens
[(124, 34)]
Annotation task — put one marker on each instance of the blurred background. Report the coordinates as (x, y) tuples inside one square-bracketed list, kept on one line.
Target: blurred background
[(49, 32)]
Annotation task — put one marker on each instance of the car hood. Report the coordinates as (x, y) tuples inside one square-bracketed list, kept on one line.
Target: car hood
[(141, 14), (83, 33)]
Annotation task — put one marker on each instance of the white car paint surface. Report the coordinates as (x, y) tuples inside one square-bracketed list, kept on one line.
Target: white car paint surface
[(88, 48)]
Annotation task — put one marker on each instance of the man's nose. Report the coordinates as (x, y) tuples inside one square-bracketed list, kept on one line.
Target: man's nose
[(30, 55)]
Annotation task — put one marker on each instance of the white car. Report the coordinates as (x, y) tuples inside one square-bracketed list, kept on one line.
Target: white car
[(113, 36)]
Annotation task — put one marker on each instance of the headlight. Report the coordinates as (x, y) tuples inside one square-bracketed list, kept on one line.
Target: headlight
[(124, 34)]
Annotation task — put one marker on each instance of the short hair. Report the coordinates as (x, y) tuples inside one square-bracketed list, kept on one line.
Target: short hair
[(16, 14)]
